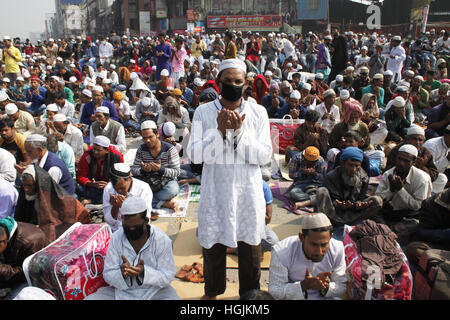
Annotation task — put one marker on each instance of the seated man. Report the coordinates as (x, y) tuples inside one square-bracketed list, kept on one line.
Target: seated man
[(157, 163), (121, 187), (7, 166), (94, 169), (307, 100), (63, 151), (18, 240), (104, 126), (13, 142), (438, 119), (439, 148), (309, 133), (273, 101), (376, 87), (8, 198), (403, 187), (351, 121), (70, 134), (292, 107), (308, 266), (397, 120), (45, 204), (308, 170), (328, 111), (139, 263), (416, 137), (147, 109), (36, 146), (343, 196), (23, 120), (124, 111)]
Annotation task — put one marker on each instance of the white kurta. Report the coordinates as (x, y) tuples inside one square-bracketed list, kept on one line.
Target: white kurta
[(159, 268), (395, 65), (288, 267), (232, 207), (327, 124), (439, 150), (138, 189)]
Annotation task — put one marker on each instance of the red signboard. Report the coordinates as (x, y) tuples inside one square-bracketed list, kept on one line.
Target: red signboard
[(244, 21), (190, 15)]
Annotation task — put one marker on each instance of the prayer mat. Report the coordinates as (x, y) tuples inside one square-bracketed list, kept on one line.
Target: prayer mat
[(194, 193), (183, 202), (280, 191)]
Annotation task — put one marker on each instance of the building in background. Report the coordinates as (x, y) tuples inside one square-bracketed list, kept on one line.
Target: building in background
[(70, 18)]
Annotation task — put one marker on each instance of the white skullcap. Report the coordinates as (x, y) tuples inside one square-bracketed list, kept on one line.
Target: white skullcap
[(388, 73), (289, 65), (146, 101), (307, 86), (54, 78), (72, 65), (328, 37), (59, 117), (133, 205), (415, 130), (404, 84), (198, 82), (399, 102), (112, 66), (319, 76), (3, 96), (87, 92), (409, 148), (350, 68), (164, 73), (397, 38), (233, 63), (419, 77), (52, 107), (169, 129), (132, 61), (30, 170), (121, 169), (410, 73), (102, 141), (364, 48), (295, 94), (6, 38), (51, 40), (36, 137), (6, 80), (148, 124), (98, 89), (106, 81), (100, 75), (20, 79), (73, 79), (378, 76), (339, 78), (268, 73), (102, 109), (344, 94), (49, 67), (328, 92), (59, 59), (11, 108), (315, 221), (133, 75)]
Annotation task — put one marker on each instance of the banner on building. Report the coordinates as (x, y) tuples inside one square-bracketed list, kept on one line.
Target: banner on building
[(244, 21), (417, 7), (161, 9), (144, 23), (312, 10), (190, 14)]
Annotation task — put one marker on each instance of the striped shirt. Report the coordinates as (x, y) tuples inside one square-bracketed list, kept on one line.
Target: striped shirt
[(170, 160)]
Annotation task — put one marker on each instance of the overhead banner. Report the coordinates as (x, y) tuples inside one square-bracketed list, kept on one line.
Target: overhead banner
[(254, 21), (144, 23), (417, 8)]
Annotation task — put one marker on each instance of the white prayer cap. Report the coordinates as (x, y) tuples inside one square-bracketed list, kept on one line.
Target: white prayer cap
[(102, 109), (268, 73), (61, 81), (295, 95), (364, 48), (3, 96), (51, 40), (233, 63), (132, 61), (102, 141), (87, 92), (73, 79), (319, 76), (11, 108), (106, 81), (404, 84), (52, 107), (410, 73), (20, 79), (112, 66), (409, 148), (100, 75), (399, 102), (378, 76), (164, 73), (6, 38), (328, 92), (36, 137), (146, 101), (315, 221), (98, 89), (198, 82), (30, 170), (133, 75), (328, 37), (289, 65), (72, 65), (6, 80), (388, 73), (59, 59), (339, 78), (419, 77), (148, 124), (59, 117), (54, 78), (397, 38), (307, 86), (49, 67), (169, 129), (135, 43), (350, 68), (414, 129), (121, 170), (133, 205), (344, 94)]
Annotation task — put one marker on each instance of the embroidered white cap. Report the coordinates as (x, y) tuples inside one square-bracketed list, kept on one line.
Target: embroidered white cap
[(102, 141), (133, 205), (315, 221), (409, 148)]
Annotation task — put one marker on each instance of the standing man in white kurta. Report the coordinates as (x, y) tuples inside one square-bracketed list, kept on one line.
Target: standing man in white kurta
[(231, 137), (396, 57)]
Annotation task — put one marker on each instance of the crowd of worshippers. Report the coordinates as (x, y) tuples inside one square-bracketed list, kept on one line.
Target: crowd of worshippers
[(372, 107)]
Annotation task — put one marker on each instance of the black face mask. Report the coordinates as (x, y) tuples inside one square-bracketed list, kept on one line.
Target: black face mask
[(136, 233), (230, 92)]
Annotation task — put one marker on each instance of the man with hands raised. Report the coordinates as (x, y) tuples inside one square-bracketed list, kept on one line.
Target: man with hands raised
[(308, 266)]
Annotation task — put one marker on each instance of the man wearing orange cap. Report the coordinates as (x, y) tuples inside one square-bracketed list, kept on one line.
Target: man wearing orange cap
[(123, 110), (308, 169)]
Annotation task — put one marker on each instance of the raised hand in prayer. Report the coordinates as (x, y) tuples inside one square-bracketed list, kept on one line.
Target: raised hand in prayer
[(345, 204), (116, 200), (135, 271), (313, 283), (363, 204), (98, 184), (395, 182), (325, 278), (124, 267), (155, 166)]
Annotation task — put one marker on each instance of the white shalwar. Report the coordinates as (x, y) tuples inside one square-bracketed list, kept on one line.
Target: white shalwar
[(288, 267), (159, 269), (232, 207), (395, 65)]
